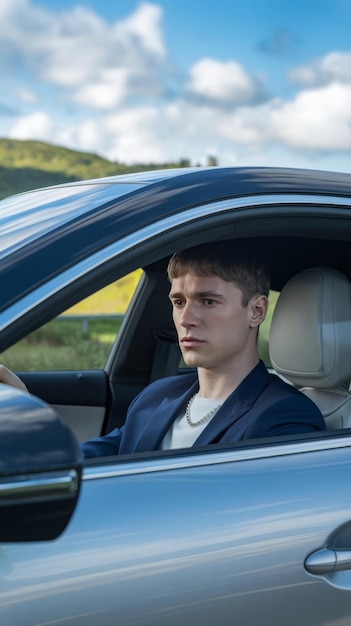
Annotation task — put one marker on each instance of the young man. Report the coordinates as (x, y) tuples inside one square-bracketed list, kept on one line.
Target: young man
[(219, 293)]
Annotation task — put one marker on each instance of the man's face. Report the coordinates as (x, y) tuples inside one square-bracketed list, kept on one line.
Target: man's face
[(214, 329)]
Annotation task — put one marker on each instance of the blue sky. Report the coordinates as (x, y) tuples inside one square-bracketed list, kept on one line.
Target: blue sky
[(260, 82)]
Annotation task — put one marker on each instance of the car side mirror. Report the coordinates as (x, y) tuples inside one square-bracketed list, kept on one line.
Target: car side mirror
[(40, 469)]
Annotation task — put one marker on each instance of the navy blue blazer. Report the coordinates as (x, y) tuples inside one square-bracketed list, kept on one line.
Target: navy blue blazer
[(262, 406)]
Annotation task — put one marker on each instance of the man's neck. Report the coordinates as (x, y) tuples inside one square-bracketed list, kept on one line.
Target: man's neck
[(219, 385)]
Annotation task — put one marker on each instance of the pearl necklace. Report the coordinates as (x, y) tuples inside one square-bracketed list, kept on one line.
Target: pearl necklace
[(204, 418)]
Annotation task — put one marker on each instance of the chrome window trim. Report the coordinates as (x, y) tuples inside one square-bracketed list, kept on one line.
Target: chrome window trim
[(164, 463), (49, 289)]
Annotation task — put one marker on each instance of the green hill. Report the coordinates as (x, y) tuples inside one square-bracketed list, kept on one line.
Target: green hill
[(27, 165)]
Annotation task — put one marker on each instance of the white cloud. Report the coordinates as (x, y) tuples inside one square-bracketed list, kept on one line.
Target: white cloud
[(315, 122), (132, 136), (106, 93), (35, 126), (102, 88), (335, 66), (145, 26), (225, 82), (138, 136), (318, 119), (80, 52)]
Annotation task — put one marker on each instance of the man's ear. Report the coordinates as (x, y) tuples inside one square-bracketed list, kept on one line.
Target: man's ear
[(258, 307)]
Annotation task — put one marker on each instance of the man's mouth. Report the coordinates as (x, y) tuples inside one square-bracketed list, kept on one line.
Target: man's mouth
[(191, 342)]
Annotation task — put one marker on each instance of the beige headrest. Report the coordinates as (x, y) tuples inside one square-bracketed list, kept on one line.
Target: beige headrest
[(310, 336)]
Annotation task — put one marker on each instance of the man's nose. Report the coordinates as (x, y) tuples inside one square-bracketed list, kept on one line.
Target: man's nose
[(188, 315)]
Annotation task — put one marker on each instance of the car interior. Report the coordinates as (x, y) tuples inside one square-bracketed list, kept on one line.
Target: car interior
[(309, 331), (309, 338), (315, 354)]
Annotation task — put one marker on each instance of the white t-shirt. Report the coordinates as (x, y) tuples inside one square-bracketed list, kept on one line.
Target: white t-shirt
[(181, 434)]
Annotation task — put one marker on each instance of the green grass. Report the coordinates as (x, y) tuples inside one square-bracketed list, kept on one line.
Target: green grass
[(62, 345)]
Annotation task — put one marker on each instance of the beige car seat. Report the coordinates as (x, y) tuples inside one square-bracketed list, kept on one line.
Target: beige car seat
[(310, 340)]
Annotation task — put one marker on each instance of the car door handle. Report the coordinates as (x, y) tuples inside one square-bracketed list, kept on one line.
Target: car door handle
[(327, 560)]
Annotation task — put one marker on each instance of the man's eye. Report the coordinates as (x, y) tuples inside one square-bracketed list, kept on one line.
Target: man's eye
[(177, 303), (209, 301)]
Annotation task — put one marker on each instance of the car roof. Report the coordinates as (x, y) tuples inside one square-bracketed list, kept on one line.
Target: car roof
[(129, 200), (50, 229)]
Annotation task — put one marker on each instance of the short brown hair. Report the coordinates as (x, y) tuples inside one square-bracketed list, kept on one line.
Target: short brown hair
[(233, 261)]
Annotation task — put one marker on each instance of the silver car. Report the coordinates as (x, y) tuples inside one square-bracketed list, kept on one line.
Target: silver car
[(251, 533)]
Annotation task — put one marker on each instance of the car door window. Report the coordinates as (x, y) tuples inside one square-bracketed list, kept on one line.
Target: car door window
[(81, 337)]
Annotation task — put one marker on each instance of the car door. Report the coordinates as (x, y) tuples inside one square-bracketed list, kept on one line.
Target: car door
[(74, 348), (217, 536)]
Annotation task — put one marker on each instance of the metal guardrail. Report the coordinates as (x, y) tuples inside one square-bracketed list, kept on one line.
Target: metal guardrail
[(85, 319)]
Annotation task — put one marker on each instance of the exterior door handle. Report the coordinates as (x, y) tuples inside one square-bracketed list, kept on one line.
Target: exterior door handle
[(327, 561)]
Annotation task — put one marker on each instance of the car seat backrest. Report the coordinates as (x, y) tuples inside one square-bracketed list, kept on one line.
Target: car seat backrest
[(310, 340)]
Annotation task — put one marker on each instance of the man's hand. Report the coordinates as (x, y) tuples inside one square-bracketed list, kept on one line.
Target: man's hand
[(9, 378)]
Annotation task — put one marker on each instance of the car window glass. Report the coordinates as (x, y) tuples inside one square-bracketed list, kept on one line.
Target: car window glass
[(79, 338)]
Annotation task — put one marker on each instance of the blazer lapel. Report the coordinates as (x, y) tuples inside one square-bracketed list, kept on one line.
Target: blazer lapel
[(236, 405), (161, 419)]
